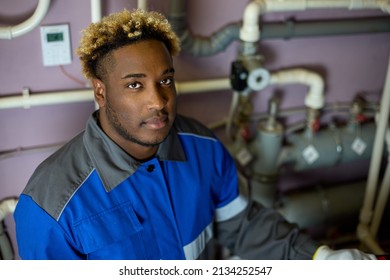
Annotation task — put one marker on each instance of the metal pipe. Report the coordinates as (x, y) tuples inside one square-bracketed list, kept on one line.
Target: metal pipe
[(293, 29), (329, 147), (303, 5), (321, 205), (199, 45), (6, 250), (377, 154)]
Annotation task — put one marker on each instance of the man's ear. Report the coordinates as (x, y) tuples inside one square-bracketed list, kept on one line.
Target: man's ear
[(99, 91)]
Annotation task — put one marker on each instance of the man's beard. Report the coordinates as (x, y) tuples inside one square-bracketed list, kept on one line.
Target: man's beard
[(116, 124)]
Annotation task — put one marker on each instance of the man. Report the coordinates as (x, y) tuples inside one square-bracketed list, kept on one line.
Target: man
[(142, 182)]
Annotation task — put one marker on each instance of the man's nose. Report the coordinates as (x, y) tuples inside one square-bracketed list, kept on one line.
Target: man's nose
[(157, 99)]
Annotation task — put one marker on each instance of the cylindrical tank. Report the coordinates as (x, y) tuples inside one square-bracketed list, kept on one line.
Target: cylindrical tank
[(331, 146)]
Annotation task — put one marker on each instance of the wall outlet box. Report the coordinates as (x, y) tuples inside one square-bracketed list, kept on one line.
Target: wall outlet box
[(56, 48)]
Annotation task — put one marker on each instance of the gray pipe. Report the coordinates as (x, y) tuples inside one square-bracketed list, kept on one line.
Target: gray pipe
[(207, 46), (320, 206), (333, 147), (6, 251), (198, 45), (292, 29)]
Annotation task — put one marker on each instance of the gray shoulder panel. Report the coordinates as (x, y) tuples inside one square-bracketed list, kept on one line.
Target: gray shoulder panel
[(189, 125), (50, 187)]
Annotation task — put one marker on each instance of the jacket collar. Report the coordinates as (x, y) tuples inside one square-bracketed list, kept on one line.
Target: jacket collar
[(112, 163)]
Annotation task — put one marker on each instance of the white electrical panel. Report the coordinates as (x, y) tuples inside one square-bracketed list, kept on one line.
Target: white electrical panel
[(56, 48)]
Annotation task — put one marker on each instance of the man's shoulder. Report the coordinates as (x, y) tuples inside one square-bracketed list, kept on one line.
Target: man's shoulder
[(66, 155), (188, 125), (57, 177)]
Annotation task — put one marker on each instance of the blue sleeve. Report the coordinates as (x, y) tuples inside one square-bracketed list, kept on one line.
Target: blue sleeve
[(230, 202), (38, 235)]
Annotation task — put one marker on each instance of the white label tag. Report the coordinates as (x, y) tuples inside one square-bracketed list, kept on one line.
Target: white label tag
[(244, 156), (358, 146), (310, 154)]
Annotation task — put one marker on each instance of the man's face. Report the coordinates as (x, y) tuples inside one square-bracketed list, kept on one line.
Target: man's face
[(137, 97)]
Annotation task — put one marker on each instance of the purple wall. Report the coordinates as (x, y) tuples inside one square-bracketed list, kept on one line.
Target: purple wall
[(349, 64)]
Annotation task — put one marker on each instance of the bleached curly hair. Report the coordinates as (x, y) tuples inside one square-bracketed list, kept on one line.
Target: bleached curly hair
[(118, 30)]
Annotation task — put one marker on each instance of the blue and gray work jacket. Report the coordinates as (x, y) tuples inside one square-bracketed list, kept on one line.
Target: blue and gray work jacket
[(91, 200)]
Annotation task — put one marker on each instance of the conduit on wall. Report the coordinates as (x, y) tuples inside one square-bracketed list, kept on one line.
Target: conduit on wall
[(27, 100), (96, 10), (28, 25)]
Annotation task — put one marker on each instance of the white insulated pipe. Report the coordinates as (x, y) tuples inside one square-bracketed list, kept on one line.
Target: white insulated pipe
[(96, 10), (366, 215), (96, 16), (377, 152), (250, 30), (381, 201), (315, 96), (203, 86), (27, 100), (7, 207), (49, 98), (383, 192), (142, 4), (11, 32)]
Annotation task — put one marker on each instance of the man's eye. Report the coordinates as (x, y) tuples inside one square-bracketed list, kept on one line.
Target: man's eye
[(167, 81), (134, 85)]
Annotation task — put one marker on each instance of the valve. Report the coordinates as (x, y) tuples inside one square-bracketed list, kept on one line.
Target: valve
[(357, 109), (248, 72), (238, 76), (315, 125), (258, 77), (360, 118)]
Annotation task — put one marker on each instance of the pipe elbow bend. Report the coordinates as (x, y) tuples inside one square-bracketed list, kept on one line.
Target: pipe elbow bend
[(7, 207), (250, 31)]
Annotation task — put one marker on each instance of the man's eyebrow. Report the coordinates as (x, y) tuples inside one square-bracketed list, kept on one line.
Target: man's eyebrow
[(169, 71), (134, 75), (142, 75)]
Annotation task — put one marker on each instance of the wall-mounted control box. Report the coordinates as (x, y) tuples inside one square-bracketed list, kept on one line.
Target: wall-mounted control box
[(56, 48)]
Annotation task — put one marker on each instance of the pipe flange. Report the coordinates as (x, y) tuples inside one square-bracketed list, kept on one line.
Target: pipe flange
[(258, 79)]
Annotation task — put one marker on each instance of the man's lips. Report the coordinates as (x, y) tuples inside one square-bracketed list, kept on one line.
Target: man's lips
[(156, 122)]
